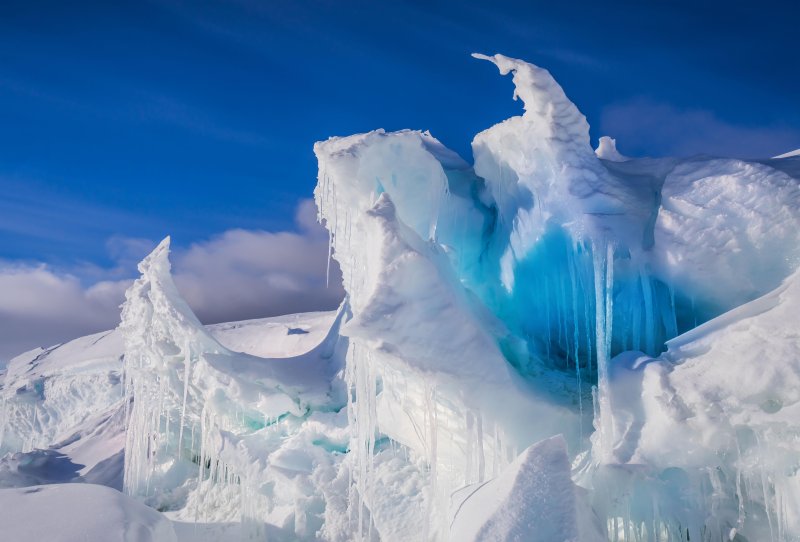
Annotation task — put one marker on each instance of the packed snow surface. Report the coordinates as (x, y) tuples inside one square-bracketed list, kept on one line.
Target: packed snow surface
[(556, 343)]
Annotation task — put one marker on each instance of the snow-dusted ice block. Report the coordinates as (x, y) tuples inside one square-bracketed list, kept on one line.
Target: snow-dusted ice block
[(720, 409), (85, 512), (532, 500)]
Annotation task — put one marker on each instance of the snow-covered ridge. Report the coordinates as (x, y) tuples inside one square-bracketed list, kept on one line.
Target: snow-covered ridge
[(556, 343)]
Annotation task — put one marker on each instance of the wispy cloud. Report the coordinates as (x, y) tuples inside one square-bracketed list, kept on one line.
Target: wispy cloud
[(134, 103), (167, 110), (640, 126), (236, 275), (29, 209), (574, 57), (245, 274)]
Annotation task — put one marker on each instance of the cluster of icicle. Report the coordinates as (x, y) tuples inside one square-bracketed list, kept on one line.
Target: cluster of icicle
[(173, 423)]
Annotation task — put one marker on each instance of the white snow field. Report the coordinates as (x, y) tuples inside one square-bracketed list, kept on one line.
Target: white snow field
[(555, 344), (73, 512)]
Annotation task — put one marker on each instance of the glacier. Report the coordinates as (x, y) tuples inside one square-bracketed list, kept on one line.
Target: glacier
[(554, 343)]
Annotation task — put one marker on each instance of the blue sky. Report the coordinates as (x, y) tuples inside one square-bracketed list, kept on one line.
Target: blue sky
[(121, 122)]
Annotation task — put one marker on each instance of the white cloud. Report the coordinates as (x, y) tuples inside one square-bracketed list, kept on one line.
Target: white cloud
[(40, 307), (236, 275), (246, 274)]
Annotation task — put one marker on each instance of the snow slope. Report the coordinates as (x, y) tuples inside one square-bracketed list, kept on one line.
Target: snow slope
[(71, 512), (556, 343)]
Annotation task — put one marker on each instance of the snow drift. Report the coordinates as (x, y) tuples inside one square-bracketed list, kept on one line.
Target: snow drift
[(556, 343)]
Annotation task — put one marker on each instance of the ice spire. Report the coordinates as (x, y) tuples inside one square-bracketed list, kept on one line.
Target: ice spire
[(541, 169), (163, 339), (607, 150), (546, 104)]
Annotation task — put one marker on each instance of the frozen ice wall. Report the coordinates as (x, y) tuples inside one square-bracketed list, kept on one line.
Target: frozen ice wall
[(425, 366), (480, 293)]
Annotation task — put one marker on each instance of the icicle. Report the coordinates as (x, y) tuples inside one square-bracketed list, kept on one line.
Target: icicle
[(548, 321), (496, 454), (330, 256), (187, 359), (481, 455), (636, 322), (469, 441), (433, 429), (604, 285), (576, 340), (673, 332), (649, 316), (609, 301), (560, 308)]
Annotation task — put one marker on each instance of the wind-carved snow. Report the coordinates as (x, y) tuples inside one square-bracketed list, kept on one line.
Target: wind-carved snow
[(643, 309)]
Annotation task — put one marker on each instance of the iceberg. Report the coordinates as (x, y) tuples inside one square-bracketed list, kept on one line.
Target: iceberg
[(566, 261), (554, 343)]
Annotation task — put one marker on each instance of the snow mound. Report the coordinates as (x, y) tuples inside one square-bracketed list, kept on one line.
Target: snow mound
[(70, 512), (533, 499)]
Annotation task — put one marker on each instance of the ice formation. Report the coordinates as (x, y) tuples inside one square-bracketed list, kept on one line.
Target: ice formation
[(564, 263), (555, 343), (607, 150), (217, 434)]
